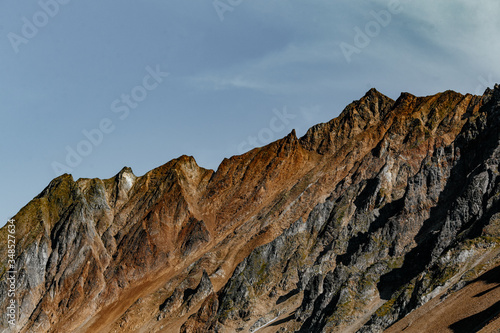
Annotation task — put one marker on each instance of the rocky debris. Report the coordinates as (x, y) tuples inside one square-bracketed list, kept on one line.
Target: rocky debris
[(350, 228)]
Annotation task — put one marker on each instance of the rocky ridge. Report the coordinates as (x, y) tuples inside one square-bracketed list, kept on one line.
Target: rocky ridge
[(348, 228)]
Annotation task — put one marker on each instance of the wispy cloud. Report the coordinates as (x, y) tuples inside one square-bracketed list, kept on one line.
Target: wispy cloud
[(427, 42), (289, 70)]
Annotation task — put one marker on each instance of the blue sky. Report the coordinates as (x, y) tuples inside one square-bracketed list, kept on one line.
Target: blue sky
[(240, 73)]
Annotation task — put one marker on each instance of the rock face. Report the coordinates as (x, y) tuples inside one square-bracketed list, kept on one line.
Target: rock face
[(364, 219)]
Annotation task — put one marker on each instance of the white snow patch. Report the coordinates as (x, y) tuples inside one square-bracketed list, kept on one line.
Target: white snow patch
[(128, 181)]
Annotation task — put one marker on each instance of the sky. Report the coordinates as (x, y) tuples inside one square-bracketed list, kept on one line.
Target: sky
[(88, 87)]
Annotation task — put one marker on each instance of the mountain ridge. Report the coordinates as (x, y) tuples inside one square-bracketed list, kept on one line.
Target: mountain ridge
[(152, 238)]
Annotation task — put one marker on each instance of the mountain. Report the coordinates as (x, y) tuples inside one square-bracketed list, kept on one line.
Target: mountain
[(387, 215)]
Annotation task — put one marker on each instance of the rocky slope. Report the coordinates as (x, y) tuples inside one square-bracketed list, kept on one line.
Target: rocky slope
[(381, 211)]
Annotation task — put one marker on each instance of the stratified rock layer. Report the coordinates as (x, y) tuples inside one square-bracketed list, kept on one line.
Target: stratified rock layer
[(350, 228)]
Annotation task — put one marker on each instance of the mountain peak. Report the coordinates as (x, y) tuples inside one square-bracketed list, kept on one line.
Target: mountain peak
[(62, 181), (357, 116), (126, 170), (374, 93), (490, 92), (126, 179)]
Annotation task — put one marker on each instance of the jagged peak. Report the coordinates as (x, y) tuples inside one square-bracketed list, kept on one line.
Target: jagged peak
[(490, 92), (290, 139), (496, 90), (374, 93), (126, 170), (184, 170), (448, 94), (126, 178), (187, 161), (373, 103), (184, 163), (288, 144), (55, 183), (405, 96), (366, 111), (189, 167), (64, 177)]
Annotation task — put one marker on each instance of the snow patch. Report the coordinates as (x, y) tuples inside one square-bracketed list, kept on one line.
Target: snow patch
[(127, 181)]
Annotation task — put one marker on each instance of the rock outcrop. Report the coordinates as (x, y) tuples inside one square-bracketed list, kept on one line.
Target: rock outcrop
[(350, 228)]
